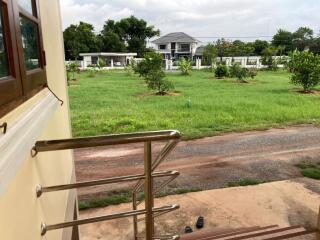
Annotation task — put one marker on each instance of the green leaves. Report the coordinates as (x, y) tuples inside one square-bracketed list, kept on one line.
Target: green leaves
[(305, 67)]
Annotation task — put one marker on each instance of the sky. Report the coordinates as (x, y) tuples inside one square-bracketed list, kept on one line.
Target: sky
[(203, 19)]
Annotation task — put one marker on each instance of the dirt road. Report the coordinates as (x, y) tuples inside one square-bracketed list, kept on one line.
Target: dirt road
[(210, 162)]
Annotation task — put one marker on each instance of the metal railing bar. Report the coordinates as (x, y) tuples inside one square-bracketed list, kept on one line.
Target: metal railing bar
[(162, 155), (116, 139), (40, 190), (46, 228), (155, 215), (162, 186)]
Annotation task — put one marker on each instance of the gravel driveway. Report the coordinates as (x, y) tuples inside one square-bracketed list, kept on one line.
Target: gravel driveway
[(210, 162)]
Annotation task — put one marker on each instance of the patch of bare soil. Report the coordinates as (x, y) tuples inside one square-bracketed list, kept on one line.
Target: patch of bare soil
[(286, 203), (207, 163), (173, 94)]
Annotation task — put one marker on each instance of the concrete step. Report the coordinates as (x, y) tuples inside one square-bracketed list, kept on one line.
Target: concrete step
[(255, 233)]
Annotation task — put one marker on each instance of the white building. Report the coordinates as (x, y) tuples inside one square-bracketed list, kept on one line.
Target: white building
[(176, 45), (111, 59)]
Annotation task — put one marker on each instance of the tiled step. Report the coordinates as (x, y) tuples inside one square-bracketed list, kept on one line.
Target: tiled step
[(255, 233)]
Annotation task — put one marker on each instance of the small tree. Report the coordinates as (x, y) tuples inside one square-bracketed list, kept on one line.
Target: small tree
[(185, 66), (156, 80), (236, 71), (150, 68), (72, 68), (221, 71), (268, 58), (305, 67), (101, 63), (210, 54)]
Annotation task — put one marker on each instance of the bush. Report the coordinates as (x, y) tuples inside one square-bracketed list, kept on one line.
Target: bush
[(221, 71), (185, 66), (305, 67)]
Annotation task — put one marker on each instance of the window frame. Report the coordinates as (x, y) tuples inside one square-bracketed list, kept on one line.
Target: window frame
[(22, 84)]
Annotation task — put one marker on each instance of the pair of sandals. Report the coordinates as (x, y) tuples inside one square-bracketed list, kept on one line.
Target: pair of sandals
[(199, 225)]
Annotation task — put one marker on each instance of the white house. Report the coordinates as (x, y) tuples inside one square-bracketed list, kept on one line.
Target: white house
[(176, 45), (111, 59)]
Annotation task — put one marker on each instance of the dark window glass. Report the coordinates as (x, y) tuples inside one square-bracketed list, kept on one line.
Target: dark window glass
[(27, 5), (162, 47), (30, 44), (4, 67)]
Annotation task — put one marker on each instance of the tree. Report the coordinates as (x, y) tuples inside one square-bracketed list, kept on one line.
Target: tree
[(110, 39), (268, 57), (128, 34), (80, 38), (315, 45), (210, 54), (239, 48), (302, 38), (223, 48), (150, 68), (259, 46), (305, 67), (185, 66), (283, 38)]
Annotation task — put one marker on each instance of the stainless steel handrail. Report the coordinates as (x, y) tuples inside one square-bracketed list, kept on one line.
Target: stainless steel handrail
[(149, 167), (116, 139), (45, 228), (40, 189)]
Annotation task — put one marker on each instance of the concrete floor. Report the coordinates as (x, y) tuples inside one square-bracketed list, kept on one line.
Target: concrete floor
[(286, 203)]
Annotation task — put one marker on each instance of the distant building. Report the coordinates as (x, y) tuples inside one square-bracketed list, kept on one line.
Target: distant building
[(176, 45), (110, 59)]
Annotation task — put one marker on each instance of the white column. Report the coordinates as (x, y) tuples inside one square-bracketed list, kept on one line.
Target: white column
[(112, 63)]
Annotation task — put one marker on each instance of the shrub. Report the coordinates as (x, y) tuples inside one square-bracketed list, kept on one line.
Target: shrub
[(252, 72), (130, 68), (185, 66), (92, 73), (151, 62), (268, 58), (150, 68), (305, 67), (72, 69), (155, 79), (101, 63), (221, 71)]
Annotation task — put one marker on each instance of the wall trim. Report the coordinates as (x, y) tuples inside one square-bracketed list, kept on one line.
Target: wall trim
[(16, 144)]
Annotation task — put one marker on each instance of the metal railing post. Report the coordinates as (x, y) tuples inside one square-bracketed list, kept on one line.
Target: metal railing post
[(148, 188), (135, 218)]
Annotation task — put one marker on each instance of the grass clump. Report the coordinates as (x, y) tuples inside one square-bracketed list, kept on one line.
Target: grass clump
[(310, 170), (245, 182)]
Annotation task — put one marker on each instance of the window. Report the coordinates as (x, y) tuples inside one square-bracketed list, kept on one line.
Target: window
[(22, 59), (162, 47), (4, 67), (184, 47)]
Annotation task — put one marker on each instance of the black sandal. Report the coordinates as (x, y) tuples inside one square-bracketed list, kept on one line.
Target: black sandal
[(188, 229), (200, 222)]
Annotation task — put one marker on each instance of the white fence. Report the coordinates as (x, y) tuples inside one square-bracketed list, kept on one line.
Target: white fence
[(245, 62)]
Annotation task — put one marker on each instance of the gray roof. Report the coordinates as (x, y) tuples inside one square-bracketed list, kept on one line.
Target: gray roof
[(199, 51), (178, 37)]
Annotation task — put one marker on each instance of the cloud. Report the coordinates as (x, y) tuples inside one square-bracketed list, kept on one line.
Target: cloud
[(200, 17)]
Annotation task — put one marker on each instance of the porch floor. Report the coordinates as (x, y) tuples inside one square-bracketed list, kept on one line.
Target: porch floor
[(285, 203)]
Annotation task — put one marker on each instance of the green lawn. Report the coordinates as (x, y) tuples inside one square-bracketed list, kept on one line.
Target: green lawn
[(114, 102)]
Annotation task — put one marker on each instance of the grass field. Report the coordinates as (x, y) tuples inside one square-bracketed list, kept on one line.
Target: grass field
[(114, 102)]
